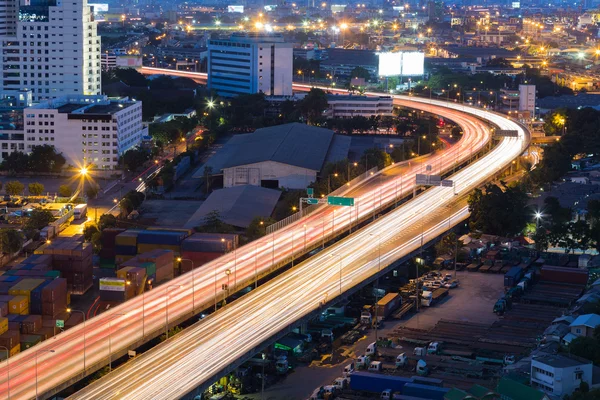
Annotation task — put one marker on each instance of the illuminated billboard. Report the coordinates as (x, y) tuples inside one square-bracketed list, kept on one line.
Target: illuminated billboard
[(412, 63), (402, 63), (390, 64), (235, 9)]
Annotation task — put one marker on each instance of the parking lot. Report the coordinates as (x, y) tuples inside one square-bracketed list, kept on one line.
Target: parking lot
[(472, 301)]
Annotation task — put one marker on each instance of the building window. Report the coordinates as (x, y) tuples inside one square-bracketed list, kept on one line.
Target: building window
[(578, 375)]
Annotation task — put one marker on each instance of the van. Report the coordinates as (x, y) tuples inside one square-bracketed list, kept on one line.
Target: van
[(420, 351), (348, 370), (434, 348), (375, 366)]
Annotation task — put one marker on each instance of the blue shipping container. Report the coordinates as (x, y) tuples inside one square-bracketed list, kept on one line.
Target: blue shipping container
[(35, 305), (512, 277), (8, 278), (423, 391), (369, 382), (126, 250), (160, 237)]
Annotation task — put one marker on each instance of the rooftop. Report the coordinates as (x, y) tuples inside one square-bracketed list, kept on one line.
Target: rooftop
[(294, 144), (590, 320), (510, 389), (352, 57), (237, 205), (349, 97), (70, 107), (111, 108), (559, 361)]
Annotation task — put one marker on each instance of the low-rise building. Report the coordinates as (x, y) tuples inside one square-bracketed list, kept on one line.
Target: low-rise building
[(87, 130), (559, 375), (584, 325), (348, 106)]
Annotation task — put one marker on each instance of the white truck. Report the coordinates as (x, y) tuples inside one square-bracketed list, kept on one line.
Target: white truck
[(80, 211), (426, 298)]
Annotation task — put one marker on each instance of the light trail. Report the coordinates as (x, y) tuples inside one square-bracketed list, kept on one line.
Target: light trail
[(123, 325)]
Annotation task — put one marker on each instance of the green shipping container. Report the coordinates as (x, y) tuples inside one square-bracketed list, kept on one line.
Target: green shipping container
[(28, 341), (150, 268), (52, 274)]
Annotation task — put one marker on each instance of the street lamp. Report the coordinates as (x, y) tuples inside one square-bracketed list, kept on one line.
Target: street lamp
[(36, 369), (538, 217), (70, 310), (227, 272), (181, 260), (7, 370), (167, 307)]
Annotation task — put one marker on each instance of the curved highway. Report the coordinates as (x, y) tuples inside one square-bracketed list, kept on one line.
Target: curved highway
[(59, 359)]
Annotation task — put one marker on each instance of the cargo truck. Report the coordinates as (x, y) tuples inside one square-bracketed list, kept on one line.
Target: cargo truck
[(386, 305), (80, 211), (377, 383), (513, 276)]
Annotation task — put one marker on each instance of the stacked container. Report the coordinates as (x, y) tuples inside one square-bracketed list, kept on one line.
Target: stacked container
[(107, 253), (201, 248), (126, 245), (163, 263), (11, 339), (115, 290), (166, 240), (54, 297), (74, 261)]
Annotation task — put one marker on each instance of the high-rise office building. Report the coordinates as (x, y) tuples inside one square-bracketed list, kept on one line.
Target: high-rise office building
[(250, 63), (50, 47), (527, 98)]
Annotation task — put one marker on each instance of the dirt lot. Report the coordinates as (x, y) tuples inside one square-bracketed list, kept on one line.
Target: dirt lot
[(473, 301)]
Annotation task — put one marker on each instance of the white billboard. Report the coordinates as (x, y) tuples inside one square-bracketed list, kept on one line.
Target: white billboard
[(235, 9), (413, 63), (402, 63), (112, 284), (390, 64)]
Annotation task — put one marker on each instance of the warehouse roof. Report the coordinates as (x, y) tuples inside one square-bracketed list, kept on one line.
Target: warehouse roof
[(294, 144), (237, 205)]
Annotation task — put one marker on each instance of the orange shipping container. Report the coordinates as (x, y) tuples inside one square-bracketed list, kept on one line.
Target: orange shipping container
[(3, 325), (15, 350), (18, 305)]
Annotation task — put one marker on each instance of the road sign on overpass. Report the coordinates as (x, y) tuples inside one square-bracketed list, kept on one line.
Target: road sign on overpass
[(340, 201), (506, 133), (429, 180)]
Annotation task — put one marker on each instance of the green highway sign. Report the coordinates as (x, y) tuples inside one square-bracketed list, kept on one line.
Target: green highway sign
[(310, 192), (60, 323), (340, 201), (312, 201)]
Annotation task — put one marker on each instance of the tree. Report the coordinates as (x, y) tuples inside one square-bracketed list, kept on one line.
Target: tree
[(135, 158), (360, 72), (14, 188), (126, 206), (11, 240), (92, 190), (376, 157), (89, 230), (15, 161), (586, 347), (107, 221), (498, 210), (44, 158), (258, 227), (39, 219), (65, 191), (136, 198), (448, 245), (313, 105), (35, 189), (214, 224)]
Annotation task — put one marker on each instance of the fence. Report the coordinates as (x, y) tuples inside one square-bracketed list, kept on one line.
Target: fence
[(310, 209)]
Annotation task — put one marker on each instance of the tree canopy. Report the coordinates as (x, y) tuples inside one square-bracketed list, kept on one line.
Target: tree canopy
[(499, 210)]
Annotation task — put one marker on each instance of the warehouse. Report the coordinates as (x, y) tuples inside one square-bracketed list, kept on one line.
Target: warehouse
[(283, 156)]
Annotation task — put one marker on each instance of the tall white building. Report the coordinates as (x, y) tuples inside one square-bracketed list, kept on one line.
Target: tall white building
[(527, 98), (86, 129), (50, 47), (250, 63)]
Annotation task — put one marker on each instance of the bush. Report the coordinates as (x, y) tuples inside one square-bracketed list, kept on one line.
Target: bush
[(65, 191), (14, 188)]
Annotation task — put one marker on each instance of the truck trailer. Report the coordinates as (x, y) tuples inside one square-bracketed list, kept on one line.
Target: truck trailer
[(387, 304), (377, 383)]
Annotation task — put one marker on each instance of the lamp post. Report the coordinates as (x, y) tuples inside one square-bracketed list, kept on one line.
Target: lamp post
[(262, 390), (70, 310), (36, 369), (227, 272), (7, 370), (167, 307), (110, 339), (216, 265), (181, 260), (538, 216)]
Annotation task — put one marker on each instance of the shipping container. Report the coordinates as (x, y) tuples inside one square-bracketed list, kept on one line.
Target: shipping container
[(160, 237), (56, 290), (387, 304), (127, 238), (15, 350), (126, 250), (376, 383), (112, 284), (3, 308), (563, 275), (146, 247), (513, 276), (121, 258), (28, 341), (31, 324), (10, 338), (24, 287), (18, 305), (35, 303), (3, 324)]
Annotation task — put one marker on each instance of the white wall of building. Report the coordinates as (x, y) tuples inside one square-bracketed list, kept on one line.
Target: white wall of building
[(52, 56), (559, 381), (85, 138), (527, 98), (348, 107), (289, 176)]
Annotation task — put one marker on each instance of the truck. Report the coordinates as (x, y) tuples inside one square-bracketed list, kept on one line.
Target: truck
[(424, 391), (377, 383), (80, 211), (438, 294), (426, 298), (387, 304), (365, 318), (513, 276), (48, 232)]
